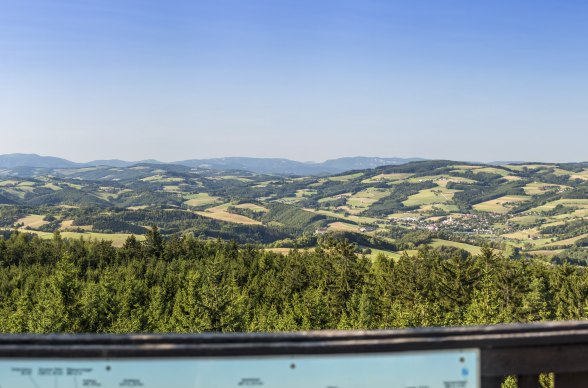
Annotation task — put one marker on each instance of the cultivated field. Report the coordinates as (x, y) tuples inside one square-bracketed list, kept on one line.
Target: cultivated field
[(500, 205), (220, 213), (32, 221)]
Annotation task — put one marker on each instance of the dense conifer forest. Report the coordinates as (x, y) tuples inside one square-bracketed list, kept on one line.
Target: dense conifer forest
[(186, 284)]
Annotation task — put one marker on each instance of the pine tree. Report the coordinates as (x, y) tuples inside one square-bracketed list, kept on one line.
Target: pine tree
[(209, 301), (153, 243), (568, 300)]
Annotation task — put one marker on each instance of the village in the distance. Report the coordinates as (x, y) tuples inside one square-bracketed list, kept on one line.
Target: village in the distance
[(521, 209)]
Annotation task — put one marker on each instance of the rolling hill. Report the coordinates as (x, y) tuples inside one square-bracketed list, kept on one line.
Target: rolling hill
[(29, 164), (533, 209)]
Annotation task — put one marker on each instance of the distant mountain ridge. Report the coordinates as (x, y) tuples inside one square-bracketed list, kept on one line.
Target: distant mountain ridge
[(34, 160), (257, 165), (287, 166), (363, 163)]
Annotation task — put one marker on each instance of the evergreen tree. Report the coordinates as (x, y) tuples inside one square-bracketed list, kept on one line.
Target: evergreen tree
[(153, 243), (184, 284)]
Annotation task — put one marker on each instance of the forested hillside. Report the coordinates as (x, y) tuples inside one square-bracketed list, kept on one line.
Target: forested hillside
[(522, 210), (186, 284)]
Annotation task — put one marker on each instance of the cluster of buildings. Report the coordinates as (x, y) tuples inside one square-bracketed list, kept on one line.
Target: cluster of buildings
[(459, 223)]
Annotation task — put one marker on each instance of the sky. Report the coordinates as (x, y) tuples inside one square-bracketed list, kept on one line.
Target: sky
[(302, 79)]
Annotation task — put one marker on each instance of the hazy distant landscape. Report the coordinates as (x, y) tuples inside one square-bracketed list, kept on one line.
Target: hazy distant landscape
[(534, 209), (32, 164), (153, 247), (284, 166)]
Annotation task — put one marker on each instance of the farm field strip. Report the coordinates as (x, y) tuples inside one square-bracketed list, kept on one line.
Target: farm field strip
[(567, 242), (220, 213), (474, 250), (117, 239), (201, 199), (430, 196), (33, 221), (500, 205)]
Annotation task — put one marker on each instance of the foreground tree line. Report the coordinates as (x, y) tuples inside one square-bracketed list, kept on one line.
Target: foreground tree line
[(185, 284)]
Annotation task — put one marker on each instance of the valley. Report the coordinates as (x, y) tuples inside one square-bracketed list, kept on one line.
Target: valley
[(537, 210)]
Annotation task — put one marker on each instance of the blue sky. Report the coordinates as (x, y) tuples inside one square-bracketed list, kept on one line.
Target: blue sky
[(307, 80)]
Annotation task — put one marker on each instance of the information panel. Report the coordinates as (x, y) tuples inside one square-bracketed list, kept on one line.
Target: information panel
[(439, 369)]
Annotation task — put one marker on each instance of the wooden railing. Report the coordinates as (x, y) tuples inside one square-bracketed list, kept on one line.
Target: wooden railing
[(522, 350)]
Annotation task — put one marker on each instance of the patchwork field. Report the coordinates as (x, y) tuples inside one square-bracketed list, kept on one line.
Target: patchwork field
[(387, 178), (465, 167), (201, 199), (366, 197), (220, 213), (546, 252), (335, 197), (525, 234), (66, 224), (500, 205), (8, 182), (474, 250), (512, 178), (438, 207), (538, 188), (234, 178), (526, 220), (305, 193), (568, 241), (162, 179), (491, 170), (33, 221), (430, 196), (572, 203), (580, 175), (252, 207), (345, 178), (342, 226), (354, 218), (444, 180), (117, 239), (399, 201)]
